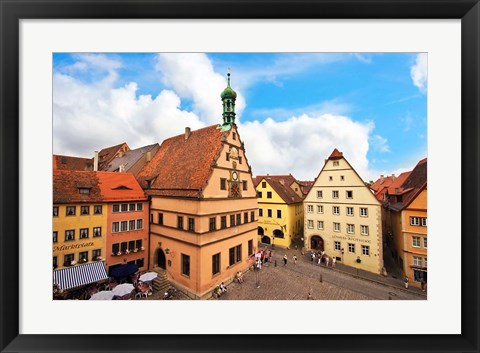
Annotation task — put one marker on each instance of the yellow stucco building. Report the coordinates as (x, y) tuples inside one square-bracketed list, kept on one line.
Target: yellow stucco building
[(280, 209), (343, 217)]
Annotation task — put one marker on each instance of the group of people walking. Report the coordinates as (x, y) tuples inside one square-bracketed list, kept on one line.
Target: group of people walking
[(321, 258)]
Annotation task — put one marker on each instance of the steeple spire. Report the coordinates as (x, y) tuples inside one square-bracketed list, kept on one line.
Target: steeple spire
[(228, 100)]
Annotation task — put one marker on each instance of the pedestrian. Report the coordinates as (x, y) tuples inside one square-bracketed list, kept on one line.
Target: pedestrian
[(313, 256), (319, 261), (327, 260), (422, 284), (295, 259), (295, 246), (334, 259), (405, 280), (270, 256), (309, 296), (285, 259)]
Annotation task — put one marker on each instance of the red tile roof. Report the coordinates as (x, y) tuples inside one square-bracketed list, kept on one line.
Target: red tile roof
[(306, 185), (336, 154), (71, 163), (182, 167), (106, 155), (103, 186), (281, 184)]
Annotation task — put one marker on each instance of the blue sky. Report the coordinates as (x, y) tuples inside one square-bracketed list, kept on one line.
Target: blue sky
[(293, 109)]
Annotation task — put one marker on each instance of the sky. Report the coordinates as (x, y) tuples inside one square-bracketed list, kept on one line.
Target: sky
[(292, 109)]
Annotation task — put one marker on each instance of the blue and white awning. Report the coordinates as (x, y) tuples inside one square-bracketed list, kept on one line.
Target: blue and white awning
[(80, 275)]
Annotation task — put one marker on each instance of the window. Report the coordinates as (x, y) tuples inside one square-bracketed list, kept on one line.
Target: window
[(349, 211), (138, 244), (160, 218), (227, 156), (68, 258), (115, 248), (185, 265), (425, 242), (55, 211), (319, 224), (70, 235), (319, 194), (269, 213), (250, 247), (336, 227), (336, 210), (139, 206), (364, 230), (338, 245), (279, 213), (234, 135), (245, 217), (55, 264), (123, 226), (363, 212), (71, 210), (335, 194), (191, 224), (244, 185), (83, 233), (124, 207), (414, 221), (232, 220), (330, 178), (310, 224), (269, 194), (260, 212), (123, 246), (223, 184), (139, 223), (259, 194), (55, 237), (212, 223), (131, 207), (310, 208), (416, 242), (223, 222), (349, 194), (335, 163), (83, 256), (351, 247), (115, 227), (424, 222), (96, 254), (116, 208), (216, 264), (319, 208), (264, 184), (97, 232), (131, 245), (85, 191), (252, 216), (424, 262), (239, 218), (235, 254), (180, 222), (350, 228), (417, 261), (366, 250), (240, 160), (97, 209), (342, 178), (131, 224)]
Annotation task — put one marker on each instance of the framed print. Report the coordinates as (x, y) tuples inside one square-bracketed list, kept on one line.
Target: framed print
[(45, 51)]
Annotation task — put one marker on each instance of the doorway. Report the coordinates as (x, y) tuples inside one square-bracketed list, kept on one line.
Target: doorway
[(316, 243), (161, 260)]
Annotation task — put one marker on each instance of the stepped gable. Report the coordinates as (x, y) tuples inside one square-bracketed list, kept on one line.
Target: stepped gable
[(281, 185), (66, 185), (119, 187), (61, 162), (182, 166)]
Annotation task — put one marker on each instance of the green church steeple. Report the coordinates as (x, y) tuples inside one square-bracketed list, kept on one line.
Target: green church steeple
[(228, 100)]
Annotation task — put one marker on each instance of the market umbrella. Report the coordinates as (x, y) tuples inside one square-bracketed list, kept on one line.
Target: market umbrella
[(149, 276), (123, 289), (103, 295)]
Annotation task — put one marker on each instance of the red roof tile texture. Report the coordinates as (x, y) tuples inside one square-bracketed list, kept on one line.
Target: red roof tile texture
[(102, 186), (336, 154), (106, 155), (71, 163), (182, 167), (281, 185)]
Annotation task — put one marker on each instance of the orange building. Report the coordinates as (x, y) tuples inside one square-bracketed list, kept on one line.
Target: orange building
[(203, 205), (406, 206)]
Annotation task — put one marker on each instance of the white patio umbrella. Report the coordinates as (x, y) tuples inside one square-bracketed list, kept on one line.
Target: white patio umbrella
[(122, 289), (103, 295), (149, 276)]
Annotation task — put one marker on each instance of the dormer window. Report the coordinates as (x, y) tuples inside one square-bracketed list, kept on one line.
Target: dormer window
[(85, 191)]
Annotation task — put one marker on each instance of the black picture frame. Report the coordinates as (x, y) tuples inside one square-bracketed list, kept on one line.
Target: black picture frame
[(12, 11)]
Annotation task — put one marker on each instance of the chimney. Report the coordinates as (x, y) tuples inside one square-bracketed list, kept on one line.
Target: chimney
[(393, 176), (187, 132), (381, 178), (149, 156), (120, 153), (95, 161)]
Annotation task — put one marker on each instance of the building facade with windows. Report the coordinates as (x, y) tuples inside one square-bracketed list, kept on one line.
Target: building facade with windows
[(406, 206), (280, 209), (343, 217), (203, 205)]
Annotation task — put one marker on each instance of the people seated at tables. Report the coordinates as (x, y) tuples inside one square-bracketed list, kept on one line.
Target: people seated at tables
[(223, 288)]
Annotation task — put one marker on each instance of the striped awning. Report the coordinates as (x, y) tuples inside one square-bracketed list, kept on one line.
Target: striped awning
[(80, 275)]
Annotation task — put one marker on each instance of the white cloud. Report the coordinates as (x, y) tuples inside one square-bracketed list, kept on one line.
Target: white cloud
[(300, 145), (380, 143), (192, 77), (419, 72)]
